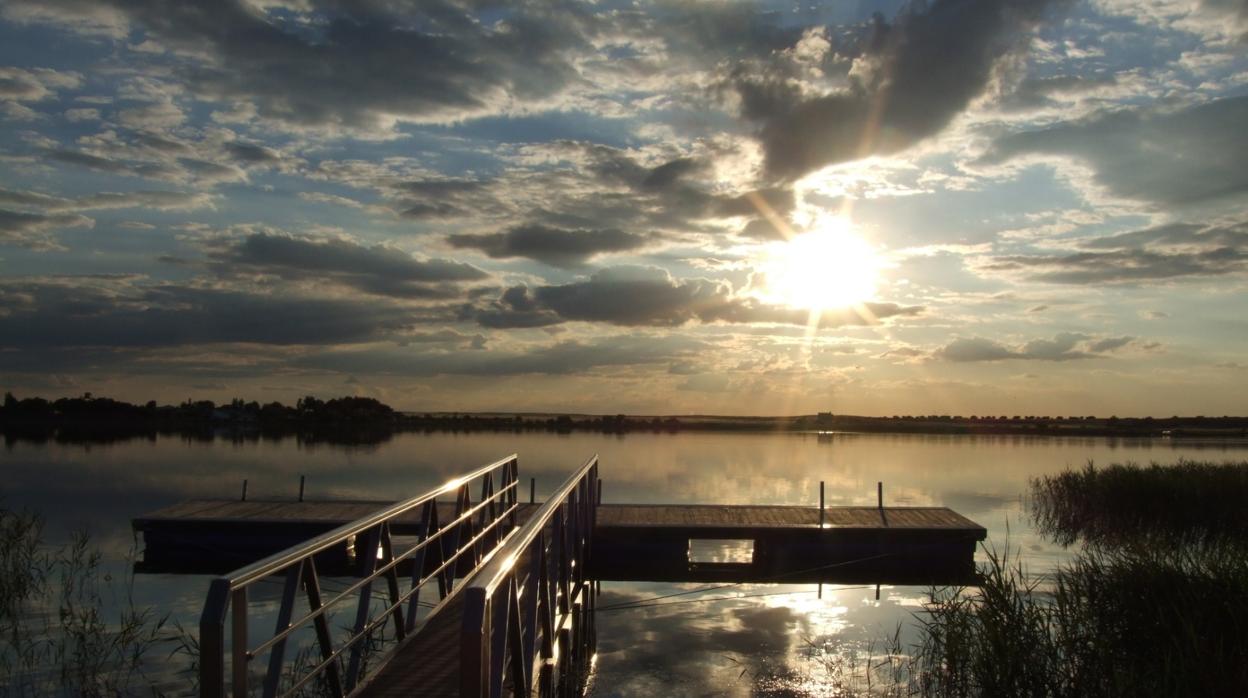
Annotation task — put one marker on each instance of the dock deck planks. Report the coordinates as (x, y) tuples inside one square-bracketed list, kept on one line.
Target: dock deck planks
[(653, 515), (753, 516)]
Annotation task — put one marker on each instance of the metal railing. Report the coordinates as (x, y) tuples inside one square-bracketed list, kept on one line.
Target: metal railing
[(440, 553), (529, 613)]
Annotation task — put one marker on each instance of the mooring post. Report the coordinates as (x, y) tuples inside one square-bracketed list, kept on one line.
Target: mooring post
[(879, 494), (301, 479), (821, 508), (244, 489), (532, 490)]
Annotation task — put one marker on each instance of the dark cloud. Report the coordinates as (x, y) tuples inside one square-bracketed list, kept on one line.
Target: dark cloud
[(378, 269), (159, 200), (1109, 344), (1175, 236), (557, 247), (1035, 92), (1162, 155), (911, 78), (560, 358), (357, 65), (440, 198), (649, 296), (1064, 346), (252, 154), (1171, 251), (82, 313), (34, 230)]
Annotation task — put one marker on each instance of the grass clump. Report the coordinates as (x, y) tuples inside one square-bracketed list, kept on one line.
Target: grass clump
[(1125, 503), (1156, 604), (56, 636), (1111, 623)]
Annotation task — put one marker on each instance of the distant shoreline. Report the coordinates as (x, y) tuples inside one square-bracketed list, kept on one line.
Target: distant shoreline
[(365, 420)]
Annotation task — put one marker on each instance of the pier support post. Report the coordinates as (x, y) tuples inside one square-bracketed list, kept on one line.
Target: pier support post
[(879, 494), (244, 489), (821, 515), (532, 490), (301, 479)]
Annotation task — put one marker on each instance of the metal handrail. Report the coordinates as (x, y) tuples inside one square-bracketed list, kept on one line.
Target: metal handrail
[(528, 614), (494, 574), (379, 563), (279, 561)]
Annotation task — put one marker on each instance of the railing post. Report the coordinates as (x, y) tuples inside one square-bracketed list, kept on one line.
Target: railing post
[(474, 656), (238, 641), (212, 640), (821, 507)]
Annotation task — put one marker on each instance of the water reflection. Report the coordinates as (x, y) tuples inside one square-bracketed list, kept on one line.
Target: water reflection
[(795, 643)]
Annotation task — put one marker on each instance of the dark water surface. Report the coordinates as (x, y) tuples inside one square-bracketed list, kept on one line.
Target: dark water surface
[(743, 640)]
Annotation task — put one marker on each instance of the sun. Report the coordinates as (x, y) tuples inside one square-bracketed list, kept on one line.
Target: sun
[(828, 267)]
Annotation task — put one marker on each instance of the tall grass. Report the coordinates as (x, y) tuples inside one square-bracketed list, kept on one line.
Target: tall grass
[(1112, 623), (1123, 504), (1156, 604), (56, 635)]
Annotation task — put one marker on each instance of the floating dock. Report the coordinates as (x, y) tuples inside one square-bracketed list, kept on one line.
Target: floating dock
[(632, 542)]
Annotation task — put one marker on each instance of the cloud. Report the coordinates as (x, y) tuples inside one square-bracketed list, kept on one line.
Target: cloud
[(119, 313), (158, 200), (1054, 90), (557, 247), (1167, 156), (650, 296), (351, 66), (1172, 251), (911, 78), (377, 269), (560, 358), (33, 230), (28, 219), (19, 85), (1064, 346), (82, 114)]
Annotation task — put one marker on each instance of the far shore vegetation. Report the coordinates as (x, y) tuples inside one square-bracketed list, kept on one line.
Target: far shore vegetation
[(367, 420)]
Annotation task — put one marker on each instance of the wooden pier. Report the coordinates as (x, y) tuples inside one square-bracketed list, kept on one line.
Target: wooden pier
[(515, 583), (634, 542)]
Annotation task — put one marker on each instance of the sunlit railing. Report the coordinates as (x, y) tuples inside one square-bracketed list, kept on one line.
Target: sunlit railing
[(439, 554), (529, 613)]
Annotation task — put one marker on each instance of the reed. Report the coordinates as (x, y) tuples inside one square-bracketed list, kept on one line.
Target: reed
[(1156, 603), (1110, 623), (1123, 504), (57, 634)]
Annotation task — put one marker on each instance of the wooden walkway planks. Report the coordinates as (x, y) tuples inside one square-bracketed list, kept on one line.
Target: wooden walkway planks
[(427, 664)]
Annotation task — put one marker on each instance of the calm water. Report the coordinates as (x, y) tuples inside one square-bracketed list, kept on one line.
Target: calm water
[(786, 642)]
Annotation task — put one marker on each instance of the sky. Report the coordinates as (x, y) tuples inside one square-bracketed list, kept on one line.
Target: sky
[(952, 207)]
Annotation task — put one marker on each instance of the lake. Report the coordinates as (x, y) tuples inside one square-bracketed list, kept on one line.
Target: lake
[(745, 639)]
